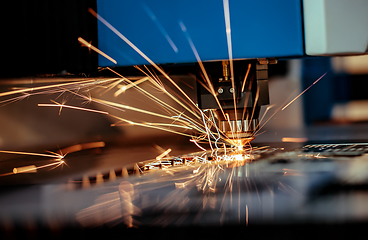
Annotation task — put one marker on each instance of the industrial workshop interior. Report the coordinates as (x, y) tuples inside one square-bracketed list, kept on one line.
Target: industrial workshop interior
[(177, 119)]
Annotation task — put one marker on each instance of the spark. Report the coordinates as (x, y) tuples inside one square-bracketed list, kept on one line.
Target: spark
[(246, 77), (152, 78), (83, 146), (90, 46), (264, 114), (50, 89), (27, 169), (254, 107), (246, 215), (169, 125), (304, 91), (159, 157), (25, 90), (119, 105), (33, 168), (34, 154), (230, 48), (213, 120), (195, 142), (126, 40), (228, 120), (130, 85), (292, 139), (190, 122), (157, 100), (72, 107), (56, 164), (210, 85), (158, 82), (207, 130), (149, 126), (277, 110), (160, 27)]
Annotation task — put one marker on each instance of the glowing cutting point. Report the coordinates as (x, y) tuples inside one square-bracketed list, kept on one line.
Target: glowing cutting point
[(240, 142)]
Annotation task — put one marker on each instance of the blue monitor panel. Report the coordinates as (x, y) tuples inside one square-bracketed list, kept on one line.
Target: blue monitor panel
[(165, 29)]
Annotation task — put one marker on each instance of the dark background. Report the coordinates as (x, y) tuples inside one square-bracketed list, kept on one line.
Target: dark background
[(40, 37)]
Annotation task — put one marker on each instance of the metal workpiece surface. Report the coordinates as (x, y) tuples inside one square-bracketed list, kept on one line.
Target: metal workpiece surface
[(265, 185)]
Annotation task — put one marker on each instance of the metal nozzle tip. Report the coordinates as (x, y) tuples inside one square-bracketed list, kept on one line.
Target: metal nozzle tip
[(239, 133)]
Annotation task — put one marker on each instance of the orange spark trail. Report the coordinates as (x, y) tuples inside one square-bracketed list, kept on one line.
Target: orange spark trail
[(206, 78), (292, 139), (184, 29), (159, 157), (254, 106), (83, 146), (195, 142), (72, 107), (153, 98), (304, 91), (246, 76), (24, 90), (130, 85), (33, 168), (230, 48), (289, 102), (126, 40), (32, 154), (25, 169), (87, 44)]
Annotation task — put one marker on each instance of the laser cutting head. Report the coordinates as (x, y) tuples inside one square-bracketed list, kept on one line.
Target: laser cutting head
[(239, 101)]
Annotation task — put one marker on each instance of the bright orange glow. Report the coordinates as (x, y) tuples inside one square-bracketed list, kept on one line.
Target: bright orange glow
[(291, 139), (239, 142), (239, 157), (87, 44)]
